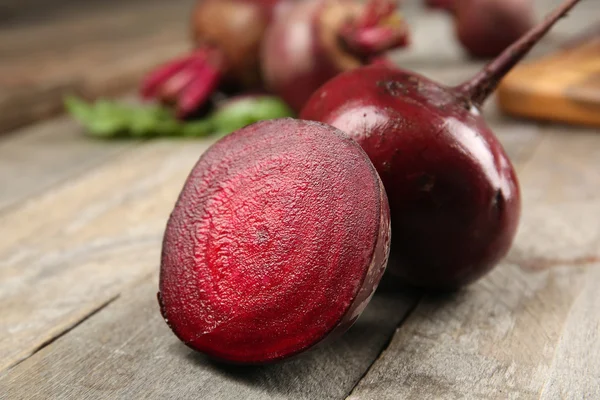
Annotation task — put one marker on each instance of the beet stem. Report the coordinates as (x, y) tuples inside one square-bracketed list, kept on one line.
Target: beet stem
[(156, 78), (376, 31), (152, 83), (198, 91), (484, 83)]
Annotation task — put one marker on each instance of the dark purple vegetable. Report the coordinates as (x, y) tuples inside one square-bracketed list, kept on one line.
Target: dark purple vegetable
[(485, 28), (227, 35), (454, 195)]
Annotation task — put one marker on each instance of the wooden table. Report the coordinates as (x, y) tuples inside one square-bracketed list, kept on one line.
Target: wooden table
[(81, 223)]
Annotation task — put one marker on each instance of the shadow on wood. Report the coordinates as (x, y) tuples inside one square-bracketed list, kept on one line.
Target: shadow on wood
[(308, 374)]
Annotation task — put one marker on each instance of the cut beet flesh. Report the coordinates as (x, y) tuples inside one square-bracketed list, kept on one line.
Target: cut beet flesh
[(278, 240)]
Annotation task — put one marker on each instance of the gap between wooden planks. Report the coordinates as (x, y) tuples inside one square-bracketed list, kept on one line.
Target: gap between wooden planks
[(61, 322), (127, 351), (74, 247)]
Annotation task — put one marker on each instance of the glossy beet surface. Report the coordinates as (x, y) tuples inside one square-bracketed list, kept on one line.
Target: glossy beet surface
[(453, 194), (278, 240)]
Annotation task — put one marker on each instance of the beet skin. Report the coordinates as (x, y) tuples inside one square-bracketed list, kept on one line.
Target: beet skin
[(277, 241), (453, 193)]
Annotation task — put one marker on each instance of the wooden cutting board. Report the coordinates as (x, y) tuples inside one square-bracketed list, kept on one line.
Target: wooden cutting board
[(562, 87)]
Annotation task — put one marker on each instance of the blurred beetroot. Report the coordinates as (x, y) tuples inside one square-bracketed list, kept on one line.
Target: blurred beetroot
[(486, 27)]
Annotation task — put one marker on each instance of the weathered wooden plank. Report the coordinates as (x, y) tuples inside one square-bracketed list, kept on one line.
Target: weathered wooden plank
[(560, 199), (127, 351), (90, 49), (497, 338), (575, 370), (73, 248), (40, 156), (583, 16), (491, 341)]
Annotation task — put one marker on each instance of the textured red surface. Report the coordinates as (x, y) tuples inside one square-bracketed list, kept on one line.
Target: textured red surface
[(279, 238), (453, 193)]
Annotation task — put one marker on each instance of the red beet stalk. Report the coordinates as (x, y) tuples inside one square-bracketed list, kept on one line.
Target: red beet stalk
[(227, 36), (318, 39)]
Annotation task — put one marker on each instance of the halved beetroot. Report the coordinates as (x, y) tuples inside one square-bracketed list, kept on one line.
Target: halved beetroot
[(278, 240)]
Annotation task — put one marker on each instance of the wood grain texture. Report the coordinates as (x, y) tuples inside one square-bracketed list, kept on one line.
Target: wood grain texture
[(84, 246), (127, 351), (72, 249), (562, 87), (575, 370), (92, 238), (43, 155), (505, 336), (91, 48)]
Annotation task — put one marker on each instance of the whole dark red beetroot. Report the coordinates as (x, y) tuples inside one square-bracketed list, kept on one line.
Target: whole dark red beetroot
[(454, 195), (486, 27), (315, 40), (227, 35), (236, 27), (278, 240)]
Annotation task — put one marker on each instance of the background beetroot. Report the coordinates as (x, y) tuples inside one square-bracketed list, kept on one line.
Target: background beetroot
[(486, 27), (315, 40), (278, 239), (227, 36), (236, 27), (453, 193)]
